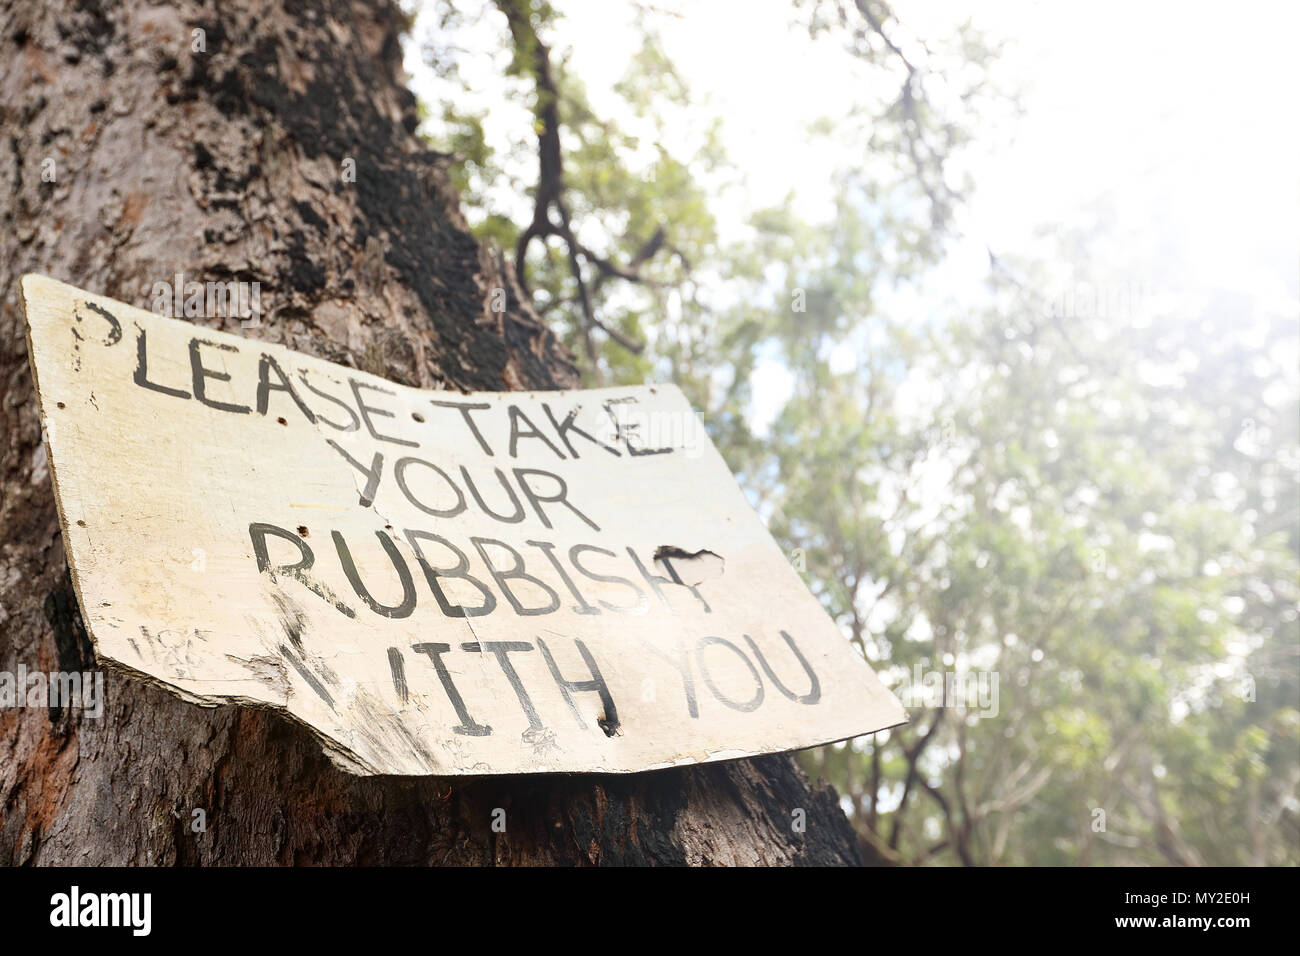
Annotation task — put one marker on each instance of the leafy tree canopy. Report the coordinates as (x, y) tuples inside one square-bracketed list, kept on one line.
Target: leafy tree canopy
[(1083, 507)]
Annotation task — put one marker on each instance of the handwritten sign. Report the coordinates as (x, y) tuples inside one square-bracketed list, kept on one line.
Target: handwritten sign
[(433, 582)]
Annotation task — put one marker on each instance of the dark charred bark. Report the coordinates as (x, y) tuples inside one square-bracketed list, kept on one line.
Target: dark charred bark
[(227, 164)]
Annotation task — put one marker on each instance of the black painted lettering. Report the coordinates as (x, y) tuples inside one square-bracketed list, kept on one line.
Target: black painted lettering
[(744, 706), (141, 376), (351, 426), (460, 572), (114, 326), (641, 601), (502, 650), (515, 517), (401, 610), (514, 573), (549, 550), (516, 433), (559, 497), (681, 660), (265, 366), (399, 472), (815, 689), (372, 473), (201, 374), (468, 726), (259, 531), (465, 409), (608, 721), (626, 431), (367, 411), (563, 428)]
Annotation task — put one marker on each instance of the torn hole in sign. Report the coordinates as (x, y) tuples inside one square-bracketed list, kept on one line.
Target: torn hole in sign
[(688, 568)]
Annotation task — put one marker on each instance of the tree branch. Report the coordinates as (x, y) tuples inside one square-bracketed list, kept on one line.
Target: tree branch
[(549, 195)]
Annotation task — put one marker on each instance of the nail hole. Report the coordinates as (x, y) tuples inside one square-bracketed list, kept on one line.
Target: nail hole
[(302, 530), (417, 416), (281, 420), (61, 405)]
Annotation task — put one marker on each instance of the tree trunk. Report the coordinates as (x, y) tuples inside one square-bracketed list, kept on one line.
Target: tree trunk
[(221, 155)]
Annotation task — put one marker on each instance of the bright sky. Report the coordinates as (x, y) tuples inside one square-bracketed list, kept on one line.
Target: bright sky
[(1172, 124)]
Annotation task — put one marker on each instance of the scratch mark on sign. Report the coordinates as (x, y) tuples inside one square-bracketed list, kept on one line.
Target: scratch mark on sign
[(371, 711), (292, 618), (269, 670), (398, 668), (541, 739), (308, 676)]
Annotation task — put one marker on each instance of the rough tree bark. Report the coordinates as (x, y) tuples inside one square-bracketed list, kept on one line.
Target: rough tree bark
[(226, 164)]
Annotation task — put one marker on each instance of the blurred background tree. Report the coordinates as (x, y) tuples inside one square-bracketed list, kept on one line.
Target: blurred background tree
[(1067, 494)]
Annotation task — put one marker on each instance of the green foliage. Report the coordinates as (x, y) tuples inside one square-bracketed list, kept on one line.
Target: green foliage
[(1099, 512)]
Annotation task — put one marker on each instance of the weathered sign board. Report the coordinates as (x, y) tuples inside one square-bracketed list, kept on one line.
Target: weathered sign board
[(432, 582)]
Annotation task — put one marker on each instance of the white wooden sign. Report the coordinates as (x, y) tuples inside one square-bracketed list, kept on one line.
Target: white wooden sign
[(433, 582)]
